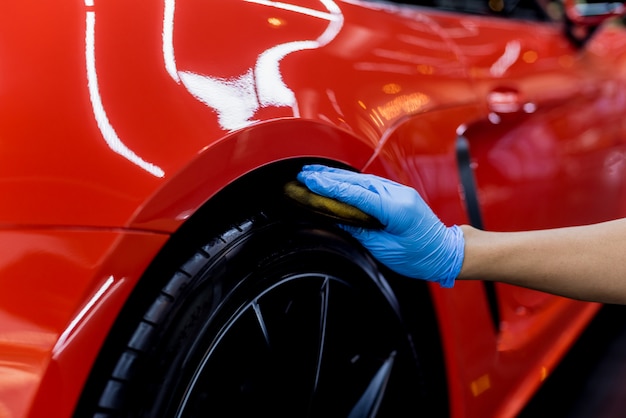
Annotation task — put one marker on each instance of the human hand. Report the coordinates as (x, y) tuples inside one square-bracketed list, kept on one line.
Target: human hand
[(414, 242)]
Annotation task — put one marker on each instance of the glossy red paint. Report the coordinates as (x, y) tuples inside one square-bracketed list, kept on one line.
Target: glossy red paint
[(119, 120), (61, 290)]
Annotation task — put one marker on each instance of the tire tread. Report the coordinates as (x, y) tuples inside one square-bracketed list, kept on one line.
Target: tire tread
[(114, 396)]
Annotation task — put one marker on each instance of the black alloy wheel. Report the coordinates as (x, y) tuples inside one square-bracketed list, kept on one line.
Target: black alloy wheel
[(280, 319)]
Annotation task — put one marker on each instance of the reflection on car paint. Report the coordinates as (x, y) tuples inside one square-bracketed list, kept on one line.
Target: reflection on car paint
[(104, 124), (508, 58), (66, 337), (236, 99)]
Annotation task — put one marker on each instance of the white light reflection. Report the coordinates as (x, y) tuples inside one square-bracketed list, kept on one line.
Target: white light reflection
[(494, 118), (107, 130), (168, 40), (508, 58), (529, 107), (236, 99), (332, 8), (66, 337)]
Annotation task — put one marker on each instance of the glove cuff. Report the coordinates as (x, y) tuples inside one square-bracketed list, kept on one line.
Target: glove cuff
[(457, 255)]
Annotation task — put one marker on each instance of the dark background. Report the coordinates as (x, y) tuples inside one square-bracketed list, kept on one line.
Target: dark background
[(590, 382)]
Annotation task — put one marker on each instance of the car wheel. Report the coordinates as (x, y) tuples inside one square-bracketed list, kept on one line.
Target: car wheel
[(269, 318)]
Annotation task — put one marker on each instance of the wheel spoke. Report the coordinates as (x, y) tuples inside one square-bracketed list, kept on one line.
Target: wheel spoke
[(261, 322), (369, 402), (324, 293)]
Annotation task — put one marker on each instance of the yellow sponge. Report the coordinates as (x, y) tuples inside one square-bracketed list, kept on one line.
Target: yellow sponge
[(330, 208)]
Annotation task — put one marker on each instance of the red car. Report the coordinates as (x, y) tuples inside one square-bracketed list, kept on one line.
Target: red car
[(152, 267)]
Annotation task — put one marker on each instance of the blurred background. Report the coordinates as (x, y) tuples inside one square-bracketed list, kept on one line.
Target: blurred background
[(591, 381)]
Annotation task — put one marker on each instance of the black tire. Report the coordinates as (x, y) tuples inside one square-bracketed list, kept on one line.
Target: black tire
[(277, 319)]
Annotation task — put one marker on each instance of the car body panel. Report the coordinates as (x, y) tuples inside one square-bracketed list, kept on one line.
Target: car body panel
[(111, 76), (119, 120), (61, 290)]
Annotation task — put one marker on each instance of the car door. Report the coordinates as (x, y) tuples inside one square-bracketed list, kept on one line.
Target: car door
[(549, 151)]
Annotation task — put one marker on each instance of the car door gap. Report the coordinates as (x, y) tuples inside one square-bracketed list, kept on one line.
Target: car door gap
[(472, 206)]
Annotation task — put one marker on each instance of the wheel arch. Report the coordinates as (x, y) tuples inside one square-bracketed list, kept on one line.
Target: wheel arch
[(243, 154)]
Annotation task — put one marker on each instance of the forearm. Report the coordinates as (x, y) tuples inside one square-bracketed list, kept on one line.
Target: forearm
[(587, 262)]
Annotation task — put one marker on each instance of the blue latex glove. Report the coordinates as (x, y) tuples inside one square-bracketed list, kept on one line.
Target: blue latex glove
[(414, 242)]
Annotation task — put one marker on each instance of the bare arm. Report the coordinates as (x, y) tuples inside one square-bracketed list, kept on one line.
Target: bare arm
[(585, 262)]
